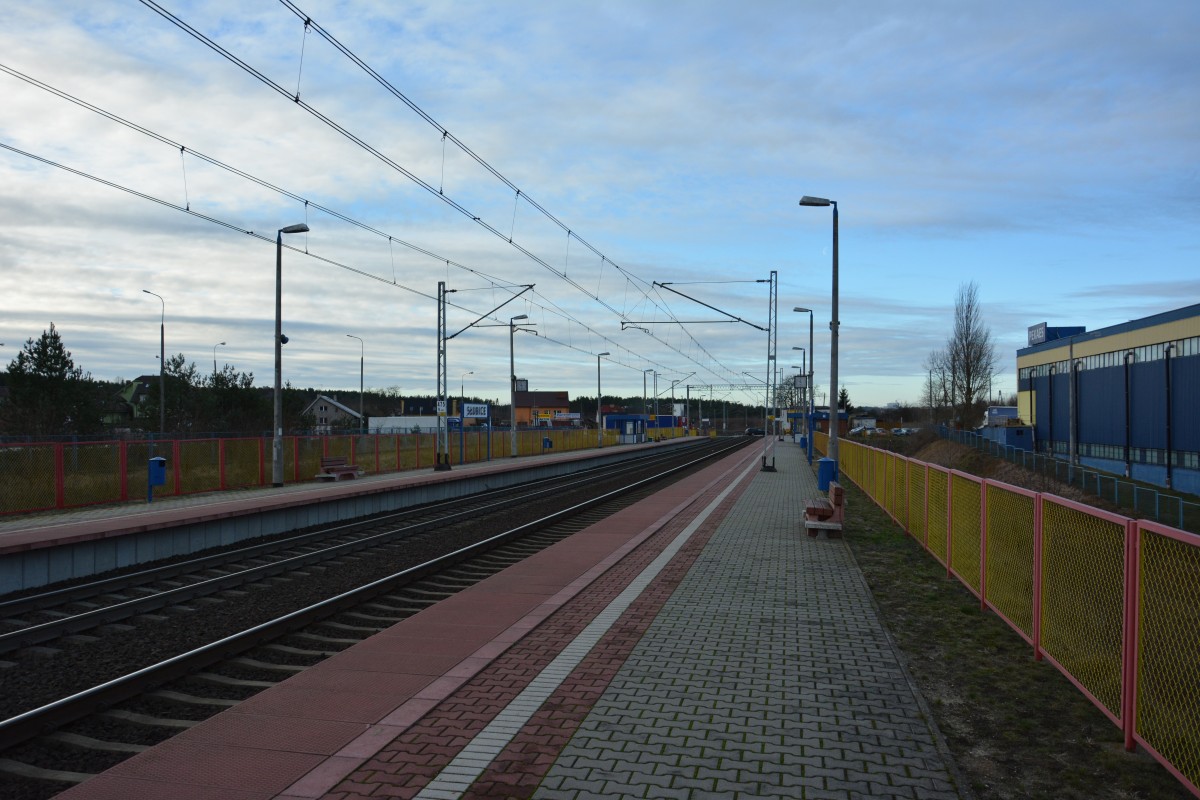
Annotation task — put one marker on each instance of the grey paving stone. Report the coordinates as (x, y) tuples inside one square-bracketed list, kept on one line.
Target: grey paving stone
[(767, 673)]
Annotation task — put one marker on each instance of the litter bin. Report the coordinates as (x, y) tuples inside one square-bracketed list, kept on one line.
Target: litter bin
[(156, 475), (802, 440), (826, 473)]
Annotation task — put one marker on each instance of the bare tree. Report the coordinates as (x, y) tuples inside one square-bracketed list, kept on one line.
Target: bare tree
[(970, 354)]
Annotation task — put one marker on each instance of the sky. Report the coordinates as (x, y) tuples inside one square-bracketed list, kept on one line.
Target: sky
[(1049, 153)]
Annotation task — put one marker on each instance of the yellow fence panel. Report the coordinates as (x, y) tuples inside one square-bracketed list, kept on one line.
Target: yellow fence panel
[(1010, 554), (301, 457), (1083, 595), (1168, 648), (965, 532), (27, 481), (242, 460), (199, 463), (938, 522), (917, 524), (91, 473), (899, 490)]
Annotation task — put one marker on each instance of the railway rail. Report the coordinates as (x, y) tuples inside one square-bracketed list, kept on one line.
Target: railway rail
[(152, 676)]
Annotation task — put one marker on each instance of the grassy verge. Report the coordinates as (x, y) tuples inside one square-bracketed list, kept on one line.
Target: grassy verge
[(1017, 728)]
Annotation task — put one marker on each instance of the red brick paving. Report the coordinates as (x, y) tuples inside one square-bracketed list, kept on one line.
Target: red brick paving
[(405, 766)]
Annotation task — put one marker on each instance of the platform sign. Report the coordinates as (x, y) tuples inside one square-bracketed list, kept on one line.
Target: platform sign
[(800, 382), (475, 410), (566, 415), (441, 408)]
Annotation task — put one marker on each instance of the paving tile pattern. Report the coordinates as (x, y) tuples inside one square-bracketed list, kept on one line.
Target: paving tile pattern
[(409, 763), (766, 674)]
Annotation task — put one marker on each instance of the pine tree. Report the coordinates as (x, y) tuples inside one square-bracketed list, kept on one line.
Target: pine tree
[(48, 394)]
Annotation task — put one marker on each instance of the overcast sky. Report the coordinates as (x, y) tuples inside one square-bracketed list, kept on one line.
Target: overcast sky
[(1047, 151)]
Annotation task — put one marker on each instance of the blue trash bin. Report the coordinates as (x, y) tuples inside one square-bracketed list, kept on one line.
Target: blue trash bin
[(826, 473), (803, 441)]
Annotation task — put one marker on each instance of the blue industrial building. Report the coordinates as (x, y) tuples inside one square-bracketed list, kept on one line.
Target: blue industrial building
[(1123, 399)]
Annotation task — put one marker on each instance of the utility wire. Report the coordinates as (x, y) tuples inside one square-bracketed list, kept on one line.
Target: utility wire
[(437, 192)]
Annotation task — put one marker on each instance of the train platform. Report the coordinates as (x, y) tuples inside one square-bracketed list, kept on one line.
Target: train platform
[(55, 528), (695, 645)]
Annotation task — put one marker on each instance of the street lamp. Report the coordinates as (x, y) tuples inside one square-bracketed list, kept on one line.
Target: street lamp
[(833, 337), (462, 389), (812, 389), (599, 421), (162, 365), (362, 355), (277, 434), (512, 387), (645, 406), (215, 346)]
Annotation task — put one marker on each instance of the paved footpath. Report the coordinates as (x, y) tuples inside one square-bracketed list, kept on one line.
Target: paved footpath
[(766, 674)]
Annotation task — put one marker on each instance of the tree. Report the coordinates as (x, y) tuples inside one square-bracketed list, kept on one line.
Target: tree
[(969, 358), (182, 382), (48, 394), (233, 404), (844, 401)]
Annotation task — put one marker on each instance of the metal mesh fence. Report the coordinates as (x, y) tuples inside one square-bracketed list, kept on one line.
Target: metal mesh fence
[(1059, 573), (965, 516), (242, 462), (91, 473), (46, 476), (1009, 554), (938, 482), (917, 524), (1083, 558), (1168, 649)]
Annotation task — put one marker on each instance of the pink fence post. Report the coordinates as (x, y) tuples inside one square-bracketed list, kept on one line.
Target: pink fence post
[(176, 456), (123, 461), (983, 528), (60, 477), (1037, 577), (949, 522), (1133, 540)]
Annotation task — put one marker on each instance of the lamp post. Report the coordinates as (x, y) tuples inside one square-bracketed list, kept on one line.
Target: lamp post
[(812, 389), (277, 433), (656, 403), (599, 421), (645, 405), (362, 355), (512, 386), (804, 372), (833, 335), (215, 346), (162, 365), (462, 393)]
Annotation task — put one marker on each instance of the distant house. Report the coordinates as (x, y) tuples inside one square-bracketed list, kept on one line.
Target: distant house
[(123, 407), (331, 415), (540, 408)]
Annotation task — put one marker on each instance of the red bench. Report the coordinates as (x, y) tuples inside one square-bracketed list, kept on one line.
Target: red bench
[(826, 513), (334, 468)]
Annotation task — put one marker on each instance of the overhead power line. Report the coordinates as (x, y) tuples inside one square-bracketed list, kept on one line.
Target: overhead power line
[(437, 192)]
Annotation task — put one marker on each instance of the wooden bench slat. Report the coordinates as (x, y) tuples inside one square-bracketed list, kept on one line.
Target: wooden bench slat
[(826, 513), (334, 467)]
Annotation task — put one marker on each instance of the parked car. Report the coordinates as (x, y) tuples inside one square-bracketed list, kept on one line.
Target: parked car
[(901, 431), (857, 430), (755, 432), (877, 432)]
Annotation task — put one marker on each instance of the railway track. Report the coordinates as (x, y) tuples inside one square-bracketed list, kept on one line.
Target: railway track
[(309, 600)]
